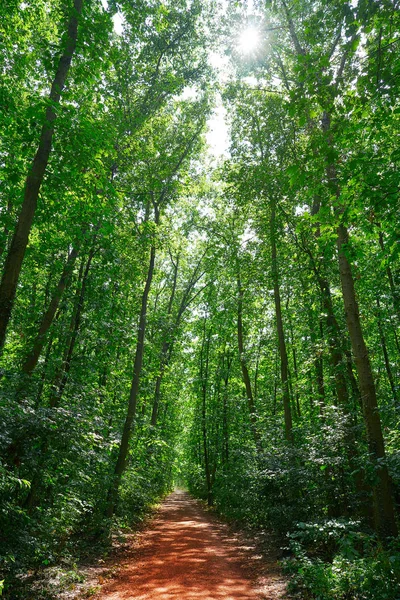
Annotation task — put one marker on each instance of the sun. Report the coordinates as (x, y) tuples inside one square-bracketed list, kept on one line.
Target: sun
[(249, 39)]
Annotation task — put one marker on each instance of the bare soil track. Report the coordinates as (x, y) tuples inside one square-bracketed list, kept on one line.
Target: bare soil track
[(186, 555)]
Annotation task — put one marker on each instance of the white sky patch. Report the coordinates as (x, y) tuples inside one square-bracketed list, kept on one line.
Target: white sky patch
[(249, 40), (189, 93), (217, 135), (301, 209), (118, 19), (250, 80), (248, 235), (221, 63)]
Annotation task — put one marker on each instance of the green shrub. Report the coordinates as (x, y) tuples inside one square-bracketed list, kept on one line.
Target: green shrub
[(336, 560)]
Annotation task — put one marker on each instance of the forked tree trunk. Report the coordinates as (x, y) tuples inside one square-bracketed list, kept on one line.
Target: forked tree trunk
[(34, 180)]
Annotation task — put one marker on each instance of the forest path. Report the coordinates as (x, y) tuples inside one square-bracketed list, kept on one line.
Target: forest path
[(186, 555)]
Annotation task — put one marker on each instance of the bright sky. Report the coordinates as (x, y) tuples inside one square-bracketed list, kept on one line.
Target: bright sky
[(217, 135), (117, 19)]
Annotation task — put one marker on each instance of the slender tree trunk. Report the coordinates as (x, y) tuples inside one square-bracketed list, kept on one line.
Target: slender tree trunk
[(6, 231), (120, 465), (294, 392), (341, 363), (225, 397), (396, 339), (319, 374), (275, 391), (32, 358), (62, 376), (332, 326), (34, 180), (385, 353), (156, 401), (204, 363), (165, 351), (43, 373), (395, 295), (257, 370), (243, 363), (279, 326)]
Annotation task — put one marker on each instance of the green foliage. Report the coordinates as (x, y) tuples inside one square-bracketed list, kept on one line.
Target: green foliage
[(244, 319), (334, 559)]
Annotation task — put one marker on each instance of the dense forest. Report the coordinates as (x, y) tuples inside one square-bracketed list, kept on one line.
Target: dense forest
[(228, 323)]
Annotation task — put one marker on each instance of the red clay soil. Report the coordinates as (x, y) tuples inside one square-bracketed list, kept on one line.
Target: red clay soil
[(184, 556)]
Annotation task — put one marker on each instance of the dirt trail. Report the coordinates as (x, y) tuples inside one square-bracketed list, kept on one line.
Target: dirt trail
[(184, 556)]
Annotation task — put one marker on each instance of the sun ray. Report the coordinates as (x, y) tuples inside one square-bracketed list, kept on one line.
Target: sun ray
[(249, 39)]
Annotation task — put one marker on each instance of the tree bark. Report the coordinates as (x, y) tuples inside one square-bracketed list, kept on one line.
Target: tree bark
[(34, 180), (383, 503)]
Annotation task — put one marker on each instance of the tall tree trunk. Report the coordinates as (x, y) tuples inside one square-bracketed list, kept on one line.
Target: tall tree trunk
[(341, 362), (295, 394), (120, 465), (384, 514), (34, 180), (279, 326), (383, 503)]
